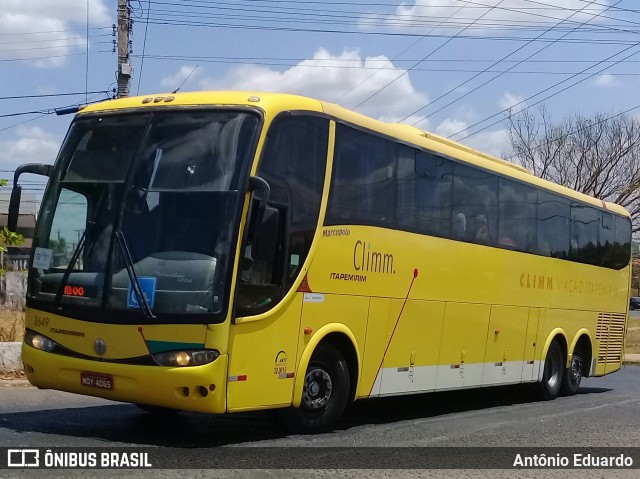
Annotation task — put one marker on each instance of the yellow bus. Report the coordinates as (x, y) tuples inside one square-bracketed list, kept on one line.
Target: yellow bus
[(234, 251)]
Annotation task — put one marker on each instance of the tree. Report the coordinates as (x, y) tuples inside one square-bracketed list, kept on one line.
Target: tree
[(597, 155)]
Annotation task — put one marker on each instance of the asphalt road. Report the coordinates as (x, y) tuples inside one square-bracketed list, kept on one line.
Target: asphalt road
[(606, 413)]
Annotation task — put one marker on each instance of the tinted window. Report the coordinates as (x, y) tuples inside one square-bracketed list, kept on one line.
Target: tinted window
[(618, 255), (518, 216), (363, 182), (377, 182), (293, 163), (554, 227), (424, 192), (475, 205), (585, 226)]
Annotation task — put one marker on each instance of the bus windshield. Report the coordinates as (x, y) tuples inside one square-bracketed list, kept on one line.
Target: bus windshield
[(140, 215)]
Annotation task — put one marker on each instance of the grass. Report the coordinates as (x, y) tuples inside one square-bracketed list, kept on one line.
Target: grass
[(11, 325), (632, 343)]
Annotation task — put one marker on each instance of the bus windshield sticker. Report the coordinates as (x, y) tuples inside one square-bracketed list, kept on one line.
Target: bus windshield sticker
[(42, 258), (148, 286)]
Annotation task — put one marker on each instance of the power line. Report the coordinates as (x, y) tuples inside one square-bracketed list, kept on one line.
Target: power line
[(29, 59), (591, 75), (389, 61), (427, 56), (579, 130), (49, 40), (144, 46), (53, 47), (42, 113), (244, 59), (494, 64), (86, 76), (241, 61), (315, 13), (51, 31), (23, 122), (20, 97), (228, 25)]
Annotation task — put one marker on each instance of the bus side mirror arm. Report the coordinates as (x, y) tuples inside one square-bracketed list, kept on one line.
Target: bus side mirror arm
[(16, 193), (260, 190)]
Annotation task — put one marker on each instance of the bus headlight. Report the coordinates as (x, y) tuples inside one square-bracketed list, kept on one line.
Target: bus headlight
[(38, 341), (186, 358)]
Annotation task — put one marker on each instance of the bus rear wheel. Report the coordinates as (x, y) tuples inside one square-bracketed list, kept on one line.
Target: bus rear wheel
[(325, 393), (573, 374), (549, 387)]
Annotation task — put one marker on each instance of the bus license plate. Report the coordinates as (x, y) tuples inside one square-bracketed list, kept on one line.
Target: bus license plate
[(96, 380)]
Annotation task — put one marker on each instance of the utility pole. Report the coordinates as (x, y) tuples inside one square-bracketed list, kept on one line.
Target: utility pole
[(125, 69)]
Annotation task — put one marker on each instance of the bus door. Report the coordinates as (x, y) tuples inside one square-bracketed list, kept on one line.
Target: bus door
[(263, 343)]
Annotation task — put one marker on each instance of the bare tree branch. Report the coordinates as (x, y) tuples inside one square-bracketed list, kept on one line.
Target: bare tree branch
[(597, 155)]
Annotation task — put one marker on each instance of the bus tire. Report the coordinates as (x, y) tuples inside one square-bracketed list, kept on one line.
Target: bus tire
[(549, 387), (325, 393), (573, 374)]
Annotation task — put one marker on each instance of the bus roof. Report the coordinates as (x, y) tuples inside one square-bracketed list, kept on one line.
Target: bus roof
[(272, 103)]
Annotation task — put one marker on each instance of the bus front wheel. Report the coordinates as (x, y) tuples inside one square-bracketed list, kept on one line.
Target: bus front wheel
[(549, 387), (325, 393)]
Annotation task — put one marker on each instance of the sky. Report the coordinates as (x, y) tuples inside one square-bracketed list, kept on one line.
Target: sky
[(453, 67)]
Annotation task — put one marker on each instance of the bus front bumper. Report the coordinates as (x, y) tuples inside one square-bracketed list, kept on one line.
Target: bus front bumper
[(197, 388)]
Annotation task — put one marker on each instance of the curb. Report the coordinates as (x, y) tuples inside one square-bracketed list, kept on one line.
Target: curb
[(10, 359)]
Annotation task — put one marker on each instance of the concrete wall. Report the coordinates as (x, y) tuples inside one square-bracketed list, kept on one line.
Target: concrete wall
[(13, 288)]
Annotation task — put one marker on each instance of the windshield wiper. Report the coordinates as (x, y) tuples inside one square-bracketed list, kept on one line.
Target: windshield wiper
[(133, 277), (67, 271)]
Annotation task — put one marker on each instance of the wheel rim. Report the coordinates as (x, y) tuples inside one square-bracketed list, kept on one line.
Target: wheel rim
[(553, 370), (575, 369), (317, 389)]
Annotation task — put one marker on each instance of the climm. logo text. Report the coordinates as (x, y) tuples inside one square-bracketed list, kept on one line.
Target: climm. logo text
[(366, 259)]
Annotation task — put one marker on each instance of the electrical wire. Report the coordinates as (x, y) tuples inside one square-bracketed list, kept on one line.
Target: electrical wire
[(444, 95), (590, 75), (575, 132), (144, 45)]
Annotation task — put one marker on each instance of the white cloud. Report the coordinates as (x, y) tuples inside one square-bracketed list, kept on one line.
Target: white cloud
[(494, 143), (28, 145), (419, 121), (172, 82), (606, 80), (40, 29), (450, 127), (347, 79), (427, 14), (510, 101)]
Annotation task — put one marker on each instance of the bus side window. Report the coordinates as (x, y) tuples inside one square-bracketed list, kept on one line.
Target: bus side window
[(585, 226), (554, 214), (363, 183), (517, 228), (475, 194), (424, 193)]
